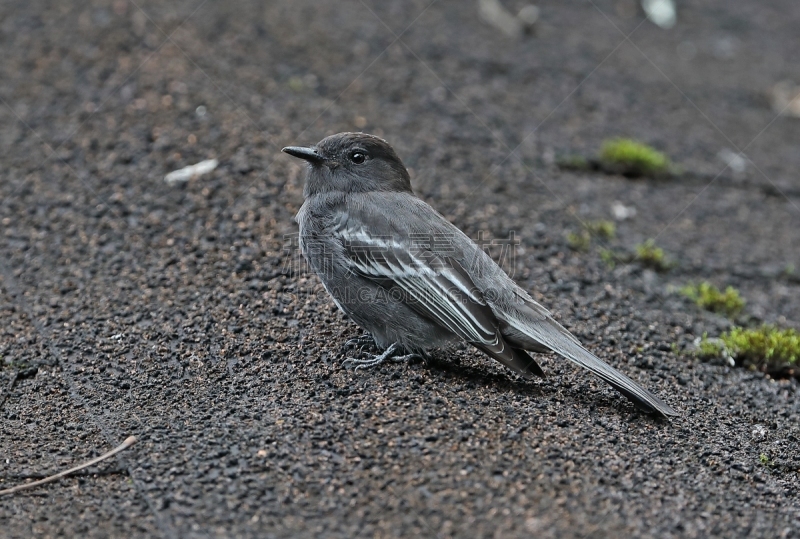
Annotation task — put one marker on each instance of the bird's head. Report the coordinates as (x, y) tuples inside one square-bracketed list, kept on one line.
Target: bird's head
[(352, 163)]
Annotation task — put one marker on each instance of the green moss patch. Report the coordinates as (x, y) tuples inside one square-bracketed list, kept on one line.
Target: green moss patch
[(767, 348), (601, 229), (623, 156), (609, 258), (709, 297), (632, 158), (647, 254), (651, 256), (579, 241)]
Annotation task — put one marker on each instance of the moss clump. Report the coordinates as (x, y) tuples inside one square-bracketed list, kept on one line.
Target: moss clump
[(296, 84), (765, 344), (709, 297), (601, 229), (709, 348), (579, 241), (651, 256), (646, 254), (766, 348), (633, 158), (609, 258)]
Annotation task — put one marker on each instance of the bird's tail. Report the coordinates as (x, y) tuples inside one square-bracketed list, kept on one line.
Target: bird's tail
[(642, 398), (535, 328)]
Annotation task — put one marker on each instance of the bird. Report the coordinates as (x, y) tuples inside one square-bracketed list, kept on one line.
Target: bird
[(413, 280)]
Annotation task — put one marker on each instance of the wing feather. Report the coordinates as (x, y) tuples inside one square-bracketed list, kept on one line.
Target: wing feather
[(435, 287)]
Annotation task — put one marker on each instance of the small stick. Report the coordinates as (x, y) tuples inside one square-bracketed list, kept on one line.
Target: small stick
[(129, 441)]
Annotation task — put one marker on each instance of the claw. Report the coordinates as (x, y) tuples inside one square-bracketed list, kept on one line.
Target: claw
[(388, 355), (362, 341), (408, 357)]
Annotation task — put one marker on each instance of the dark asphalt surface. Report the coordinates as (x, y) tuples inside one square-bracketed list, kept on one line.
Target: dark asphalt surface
[(182, 315)]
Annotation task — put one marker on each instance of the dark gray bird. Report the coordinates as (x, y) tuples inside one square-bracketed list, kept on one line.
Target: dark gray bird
[(413, 280)]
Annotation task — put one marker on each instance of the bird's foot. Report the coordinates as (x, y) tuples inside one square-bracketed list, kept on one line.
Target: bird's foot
[(390, 354), (409, 357)]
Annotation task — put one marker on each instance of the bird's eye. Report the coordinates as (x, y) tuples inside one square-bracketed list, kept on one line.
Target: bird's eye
[(358, 157)]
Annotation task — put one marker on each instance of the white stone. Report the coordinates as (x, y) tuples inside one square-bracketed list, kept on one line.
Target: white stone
[(187, 173)]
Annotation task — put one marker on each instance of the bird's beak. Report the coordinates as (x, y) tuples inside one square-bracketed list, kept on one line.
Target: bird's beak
[(309, 154)]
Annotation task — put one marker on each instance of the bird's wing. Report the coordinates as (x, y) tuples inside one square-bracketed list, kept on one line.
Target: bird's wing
[(436, 287), (543, 330)]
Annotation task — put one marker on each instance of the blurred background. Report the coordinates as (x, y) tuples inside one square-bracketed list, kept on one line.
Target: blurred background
[(478, 99)]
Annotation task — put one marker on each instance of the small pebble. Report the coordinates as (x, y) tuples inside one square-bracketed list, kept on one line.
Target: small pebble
[(784, 98), (622, 212), (660, 12), (187, 173)]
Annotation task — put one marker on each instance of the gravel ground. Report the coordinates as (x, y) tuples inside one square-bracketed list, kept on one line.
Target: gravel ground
[(182, 314)]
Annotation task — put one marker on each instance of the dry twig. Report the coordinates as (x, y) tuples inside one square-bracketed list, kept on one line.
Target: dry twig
[(129, 441)]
